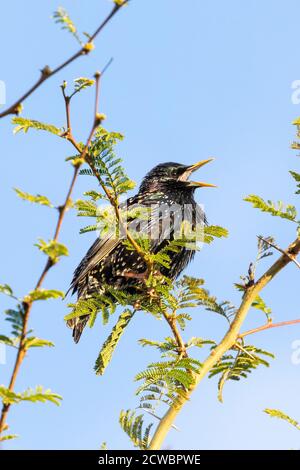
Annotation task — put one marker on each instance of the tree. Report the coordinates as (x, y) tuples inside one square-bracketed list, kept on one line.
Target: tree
[(168, 383)]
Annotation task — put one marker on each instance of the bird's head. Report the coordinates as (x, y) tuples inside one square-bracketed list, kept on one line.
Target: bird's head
[(174, 176)]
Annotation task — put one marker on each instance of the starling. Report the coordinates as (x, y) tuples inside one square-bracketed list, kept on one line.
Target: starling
[(169, 194)]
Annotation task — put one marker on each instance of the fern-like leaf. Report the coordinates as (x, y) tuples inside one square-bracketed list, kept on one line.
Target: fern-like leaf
[(280, 415), (133, 426), (110, 344), (38, 199), (275, 209), (24, 125)]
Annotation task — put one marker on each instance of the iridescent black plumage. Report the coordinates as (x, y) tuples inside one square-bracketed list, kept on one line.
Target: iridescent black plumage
[(108, 260)]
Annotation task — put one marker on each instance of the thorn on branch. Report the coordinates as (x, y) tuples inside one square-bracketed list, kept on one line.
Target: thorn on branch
[(289, 253)]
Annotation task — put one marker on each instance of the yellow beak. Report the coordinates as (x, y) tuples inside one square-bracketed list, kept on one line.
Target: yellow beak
[(195, 167), (201, 184), (198, 165)]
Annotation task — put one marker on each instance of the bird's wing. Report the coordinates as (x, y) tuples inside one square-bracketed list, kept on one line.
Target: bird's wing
[(97, 252)]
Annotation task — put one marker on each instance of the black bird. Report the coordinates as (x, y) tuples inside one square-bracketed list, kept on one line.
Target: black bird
[(169, 194)]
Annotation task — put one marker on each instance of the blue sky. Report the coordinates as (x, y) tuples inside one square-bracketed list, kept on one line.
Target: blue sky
[(190, 79)]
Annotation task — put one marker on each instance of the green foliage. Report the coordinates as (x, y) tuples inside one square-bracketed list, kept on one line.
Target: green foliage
[(24, 125), (61, 17), (110, 344), (34, 342), (165, 381), (33, 395), (16, 318), (214, 231), (38, 199), (44, 294), (192, 294), (264, 249), (53, 249), (82, 83), (6, 340), (280, 415), (264, 245), (86, 208), (7, 290), (276, 209), (260, 304), (107, 165), (133, 426), (98, 303), (238, 365), (8, 437)]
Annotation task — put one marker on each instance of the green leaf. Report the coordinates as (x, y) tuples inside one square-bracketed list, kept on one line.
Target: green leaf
[(132, 425), (44, 294), (53, 249), (8, 437), (6, 289), (120, 2), (214, 231), (16, 317), (6, 340), (279, 414), (107, 165), (110, 344), (86, 208), (81, 84), (38, 199), (33, 342), (296, 177), (275, 209), (33, 395), (24, 125), (260, 304), (238, 365)]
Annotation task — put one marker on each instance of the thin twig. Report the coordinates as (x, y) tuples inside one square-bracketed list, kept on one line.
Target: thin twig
[(226, 343), (46, 72)]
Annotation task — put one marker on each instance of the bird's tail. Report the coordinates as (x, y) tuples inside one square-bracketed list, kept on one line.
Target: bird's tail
[(78, 325)]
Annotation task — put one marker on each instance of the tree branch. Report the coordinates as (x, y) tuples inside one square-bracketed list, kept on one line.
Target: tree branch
[(46, 72), (27, 306), (268, 326)]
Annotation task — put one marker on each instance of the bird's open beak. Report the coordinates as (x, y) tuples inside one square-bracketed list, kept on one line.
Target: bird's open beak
[(195, 167)]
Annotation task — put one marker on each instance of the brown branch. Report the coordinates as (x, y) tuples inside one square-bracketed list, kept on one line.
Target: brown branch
[(46, 72), (171, 320), (27, 306), (268, 326), (85, 156)]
